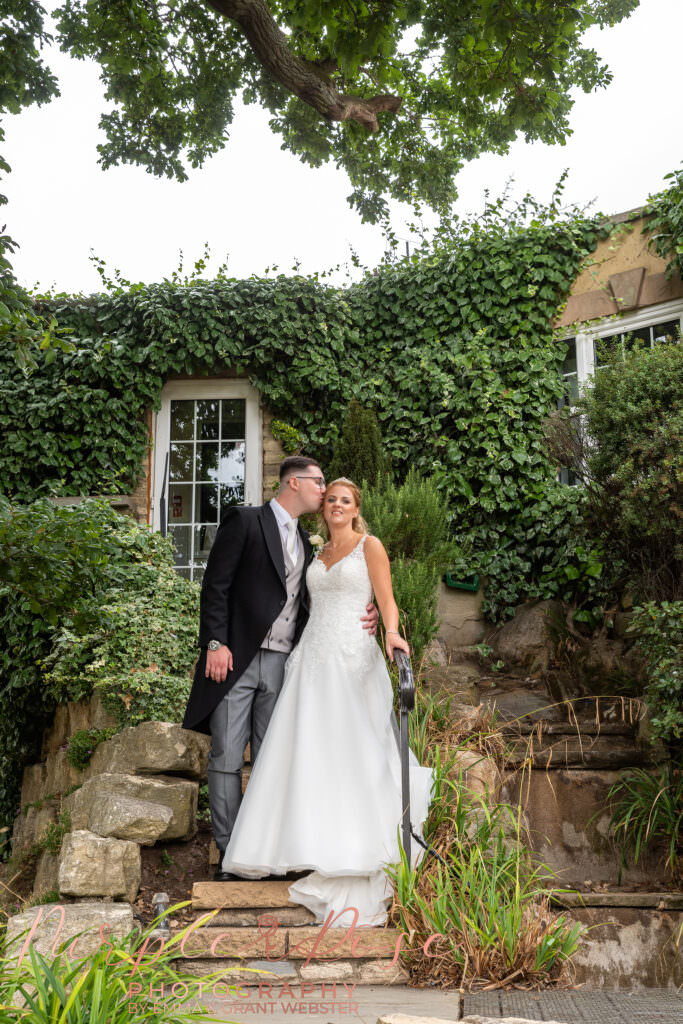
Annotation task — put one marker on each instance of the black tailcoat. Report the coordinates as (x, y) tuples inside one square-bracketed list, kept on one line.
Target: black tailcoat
[(243, 592)]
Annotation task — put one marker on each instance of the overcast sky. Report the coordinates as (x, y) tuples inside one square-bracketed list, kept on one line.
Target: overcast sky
[(258, 206)]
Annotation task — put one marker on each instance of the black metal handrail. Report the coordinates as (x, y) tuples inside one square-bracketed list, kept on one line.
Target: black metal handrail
[(406, 690)]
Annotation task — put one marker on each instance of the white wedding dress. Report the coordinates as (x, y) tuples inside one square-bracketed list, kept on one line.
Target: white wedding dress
[(325, 788)]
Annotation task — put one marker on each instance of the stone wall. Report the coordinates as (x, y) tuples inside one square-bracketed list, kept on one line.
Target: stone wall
[(140, 787), (624, 275)]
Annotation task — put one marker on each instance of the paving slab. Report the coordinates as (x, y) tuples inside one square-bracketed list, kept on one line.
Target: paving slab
[(365, 1004), (322, 1002), (581, 1006)]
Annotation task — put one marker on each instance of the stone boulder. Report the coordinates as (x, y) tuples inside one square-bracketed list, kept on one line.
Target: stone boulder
[(480, 774), (47, 874), (152, 748), (101, 798), (459, 680), (92, 866), (526, 640), (55, 923)]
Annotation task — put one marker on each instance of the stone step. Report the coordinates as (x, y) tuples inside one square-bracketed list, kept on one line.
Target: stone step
[(279, 955), (297, 943), (565, 751), (241, 895), (643, 900)]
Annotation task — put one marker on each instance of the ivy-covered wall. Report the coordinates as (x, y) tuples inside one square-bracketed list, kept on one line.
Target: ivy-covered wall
[(454, 351)]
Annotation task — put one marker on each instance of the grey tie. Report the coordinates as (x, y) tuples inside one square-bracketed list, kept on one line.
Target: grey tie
[(291, 540)]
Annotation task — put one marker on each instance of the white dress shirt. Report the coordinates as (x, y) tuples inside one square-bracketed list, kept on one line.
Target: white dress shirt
[(283, 517)]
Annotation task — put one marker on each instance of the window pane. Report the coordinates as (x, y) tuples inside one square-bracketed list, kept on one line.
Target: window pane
[(207, 420), (181, 461), (232, 419), (181, 540), (669, 331), (207, 461), (182, 420), (204, 537), (231, 469), (604, 347), (231, 496), (180, 503), (569, 365), (185, 572), (571, 390), (206, 503)]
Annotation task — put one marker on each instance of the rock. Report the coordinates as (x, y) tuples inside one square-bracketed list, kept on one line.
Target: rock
[(459, 680), (476, 1019), (568, 822), (124, 817), (153, 748), (52, 929), (383, 972), (179, 795), (409, 1018), (92, 866), (31, 826), (526, 639), (436, 652), (33, 783), (480, 774), (461, 621), (47, 872), (60, 774)]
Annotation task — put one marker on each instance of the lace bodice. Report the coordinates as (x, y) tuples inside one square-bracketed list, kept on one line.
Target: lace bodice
[(339, 596)]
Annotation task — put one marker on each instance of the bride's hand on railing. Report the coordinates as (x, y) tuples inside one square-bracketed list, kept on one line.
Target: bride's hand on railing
[(394, 641)]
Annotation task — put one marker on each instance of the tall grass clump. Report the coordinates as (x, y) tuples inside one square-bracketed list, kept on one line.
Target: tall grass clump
[(647, 813), (480, 894)]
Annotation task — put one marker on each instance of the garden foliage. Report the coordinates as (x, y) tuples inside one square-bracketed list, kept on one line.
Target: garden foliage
[(358, 453), (454, 352), (411, 521), (87, 598)]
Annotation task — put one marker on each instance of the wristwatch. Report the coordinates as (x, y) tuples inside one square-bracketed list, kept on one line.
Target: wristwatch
[(213, 645)]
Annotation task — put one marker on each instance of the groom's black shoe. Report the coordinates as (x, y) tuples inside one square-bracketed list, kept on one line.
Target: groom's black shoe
[(224, 876)]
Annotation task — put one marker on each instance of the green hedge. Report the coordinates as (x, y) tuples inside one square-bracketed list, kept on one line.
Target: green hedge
[(453, 351), (87, 598)]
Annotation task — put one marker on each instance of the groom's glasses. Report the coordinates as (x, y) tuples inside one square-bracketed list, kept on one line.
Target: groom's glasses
[(320, 480)]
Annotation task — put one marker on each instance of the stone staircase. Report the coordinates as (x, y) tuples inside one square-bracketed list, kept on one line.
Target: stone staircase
[(257, 929)]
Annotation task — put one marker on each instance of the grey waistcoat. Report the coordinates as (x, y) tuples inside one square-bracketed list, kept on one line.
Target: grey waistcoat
[(280, 636)]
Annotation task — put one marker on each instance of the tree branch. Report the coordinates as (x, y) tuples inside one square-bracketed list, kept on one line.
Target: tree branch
[(306, 79)]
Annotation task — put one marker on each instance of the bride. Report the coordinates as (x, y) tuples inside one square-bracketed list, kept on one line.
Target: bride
[(325, 790)]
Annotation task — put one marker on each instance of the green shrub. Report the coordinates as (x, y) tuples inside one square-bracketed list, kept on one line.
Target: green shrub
[(358, 453), (82, 744), (634, 467), (87, 597), (658, 631), (411, 520)]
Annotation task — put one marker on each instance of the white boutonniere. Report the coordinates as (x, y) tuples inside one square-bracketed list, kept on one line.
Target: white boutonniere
[(317, 543)]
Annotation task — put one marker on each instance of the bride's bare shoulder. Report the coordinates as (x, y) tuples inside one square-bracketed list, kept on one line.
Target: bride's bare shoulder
[(373, 546)]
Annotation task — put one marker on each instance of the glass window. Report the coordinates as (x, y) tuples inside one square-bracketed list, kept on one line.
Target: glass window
[(207, 475), (667, 331)]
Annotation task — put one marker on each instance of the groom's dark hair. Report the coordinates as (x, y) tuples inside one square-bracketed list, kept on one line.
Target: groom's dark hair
[(294, 464)]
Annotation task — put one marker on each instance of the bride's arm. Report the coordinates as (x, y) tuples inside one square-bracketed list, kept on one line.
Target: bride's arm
[(379, 571)]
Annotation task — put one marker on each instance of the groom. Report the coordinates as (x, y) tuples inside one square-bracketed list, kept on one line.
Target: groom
[(253, 608)]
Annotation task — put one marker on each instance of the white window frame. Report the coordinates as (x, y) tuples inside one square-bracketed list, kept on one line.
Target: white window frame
[(585, 338), (617, 324), (201, 389)]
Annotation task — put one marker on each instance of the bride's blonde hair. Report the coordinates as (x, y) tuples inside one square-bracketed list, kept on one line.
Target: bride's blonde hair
[(358, 524)]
